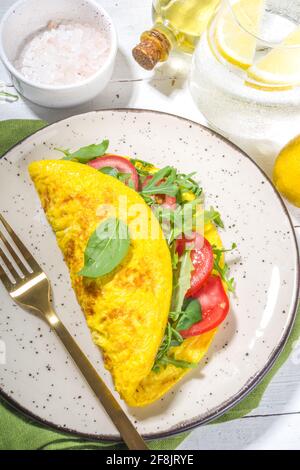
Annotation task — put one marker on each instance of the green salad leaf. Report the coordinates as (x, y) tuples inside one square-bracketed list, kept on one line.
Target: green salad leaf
[(167, 186), (109, 170), (106, 248), (223, 271), (183, 315), (186, 183), (165, 360), (86, 154), (190, 315), (123, 177), (213, 216), (182, 281), (180, 220)]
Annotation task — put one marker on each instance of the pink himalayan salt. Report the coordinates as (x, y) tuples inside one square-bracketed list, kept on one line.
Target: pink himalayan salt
[(63, 54)]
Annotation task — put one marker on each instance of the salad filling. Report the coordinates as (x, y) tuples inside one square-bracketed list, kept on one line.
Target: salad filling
[(200, 275)]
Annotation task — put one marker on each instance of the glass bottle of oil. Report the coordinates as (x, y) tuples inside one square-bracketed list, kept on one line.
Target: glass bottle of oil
[(178, 23)]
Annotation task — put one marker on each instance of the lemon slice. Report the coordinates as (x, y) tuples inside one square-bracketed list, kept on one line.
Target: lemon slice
[(233, 41), (281, 66)]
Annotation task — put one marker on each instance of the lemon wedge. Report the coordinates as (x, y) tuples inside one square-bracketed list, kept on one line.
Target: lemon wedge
[(233, 41), (281, 66)]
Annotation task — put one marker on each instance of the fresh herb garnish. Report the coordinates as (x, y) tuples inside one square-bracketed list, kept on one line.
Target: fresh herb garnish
[(213, 216), (142, 162), (166, 177), (86, 154), (182, 316), (182, 220), (190, 315), (182, 281), (175, 362), (223, 268), (187, 184), (126, 178), (123, 177), (171, 338), (174, 256), (109, 170), (106, 248)]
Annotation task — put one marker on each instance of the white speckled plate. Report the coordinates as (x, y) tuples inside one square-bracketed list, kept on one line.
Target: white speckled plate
[(39, 378)]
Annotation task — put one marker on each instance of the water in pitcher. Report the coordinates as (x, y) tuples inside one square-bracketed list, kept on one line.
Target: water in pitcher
[(246, 70)]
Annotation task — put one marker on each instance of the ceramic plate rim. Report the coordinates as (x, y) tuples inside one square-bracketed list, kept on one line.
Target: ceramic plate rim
[(253, 381)]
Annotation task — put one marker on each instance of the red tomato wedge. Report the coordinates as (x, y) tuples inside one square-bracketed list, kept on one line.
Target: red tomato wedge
[(119, 163), (202, 259), (214, 304), (166, 201)]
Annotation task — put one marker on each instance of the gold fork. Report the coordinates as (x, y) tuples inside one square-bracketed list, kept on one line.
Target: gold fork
[(30, 288)]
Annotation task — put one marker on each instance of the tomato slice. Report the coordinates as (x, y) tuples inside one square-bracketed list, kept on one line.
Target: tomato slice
[(214, 304), (119, 163), (163, 199), (202, 259)]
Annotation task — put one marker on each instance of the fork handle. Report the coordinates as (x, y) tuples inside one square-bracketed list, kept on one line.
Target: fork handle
[(128, 432)]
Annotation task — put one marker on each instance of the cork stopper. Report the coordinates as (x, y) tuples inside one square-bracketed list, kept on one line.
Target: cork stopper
[(153, 48)]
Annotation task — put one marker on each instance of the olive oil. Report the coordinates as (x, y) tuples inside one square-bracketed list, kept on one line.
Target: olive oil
[(178, 23)]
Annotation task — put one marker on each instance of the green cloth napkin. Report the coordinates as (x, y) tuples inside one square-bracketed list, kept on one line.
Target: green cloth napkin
[(18, 432)]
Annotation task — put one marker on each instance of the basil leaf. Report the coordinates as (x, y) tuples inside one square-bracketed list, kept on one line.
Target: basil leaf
[(106, 248), (182, 281), (192, 314), (85, 154)]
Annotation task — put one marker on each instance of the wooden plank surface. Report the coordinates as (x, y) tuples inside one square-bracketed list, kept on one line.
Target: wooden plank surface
[(275, 424)]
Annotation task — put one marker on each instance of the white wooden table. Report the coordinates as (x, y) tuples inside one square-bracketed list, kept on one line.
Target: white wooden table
[(275, 424)]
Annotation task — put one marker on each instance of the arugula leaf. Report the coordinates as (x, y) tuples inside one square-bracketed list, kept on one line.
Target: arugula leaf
[(175, 362), (182, 281), (183, 219), (106, 248), (85, 154), (223, 270), (174, 256), (187, 184), (166, 187), (213, 216), (109, 170), (171, 338), (123, 177), (191, 314), (142, 162), (181, 317), (126, 178)]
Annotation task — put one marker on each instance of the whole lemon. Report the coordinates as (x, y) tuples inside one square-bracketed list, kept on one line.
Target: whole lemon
[(286, 173)]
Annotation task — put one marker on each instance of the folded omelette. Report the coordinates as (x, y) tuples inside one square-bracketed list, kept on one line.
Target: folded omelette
[(126, 310)]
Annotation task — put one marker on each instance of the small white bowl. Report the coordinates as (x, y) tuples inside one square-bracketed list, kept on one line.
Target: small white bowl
[(25, 18)]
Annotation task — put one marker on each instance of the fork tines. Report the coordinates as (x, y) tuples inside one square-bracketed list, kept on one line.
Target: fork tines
[(13, 266)]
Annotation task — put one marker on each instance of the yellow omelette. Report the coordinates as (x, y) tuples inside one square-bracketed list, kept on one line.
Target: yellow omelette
[(126, 310)]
